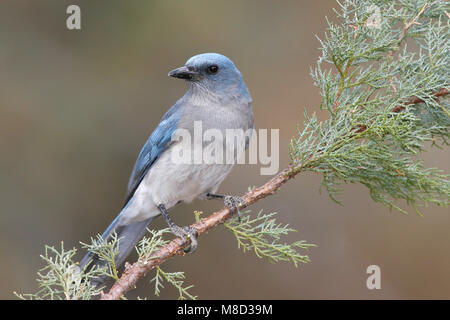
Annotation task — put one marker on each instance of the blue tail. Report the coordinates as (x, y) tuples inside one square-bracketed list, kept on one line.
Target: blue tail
[(129, 235)]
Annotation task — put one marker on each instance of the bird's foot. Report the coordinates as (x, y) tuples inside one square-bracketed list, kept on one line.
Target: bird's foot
[(233, 203), (186, 233)]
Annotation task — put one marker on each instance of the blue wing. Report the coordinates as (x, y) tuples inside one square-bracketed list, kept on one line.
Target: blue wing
[(156, 144)]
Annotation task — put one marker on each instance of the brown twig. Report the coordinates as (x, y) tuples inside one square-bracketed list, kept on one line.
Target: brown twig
[(413, 21), (416, 100), (408, 25), (137, 270)]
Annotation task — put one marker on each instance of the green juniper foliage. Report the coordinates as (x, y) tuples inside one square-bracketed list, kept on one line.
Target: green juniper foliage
[(370, 78), (262, 235), (148, 246), (61, 279), (107, 251), (174, 278), (382, 69)]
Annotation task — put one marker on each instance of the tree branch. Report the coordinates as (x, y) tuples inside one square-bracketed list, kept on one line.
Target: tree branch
[(416, 100), (137, 270), (413, 21)]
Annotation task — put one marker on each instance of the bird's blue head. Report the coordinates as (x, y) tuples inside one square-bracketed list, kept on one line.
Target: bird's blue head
[(213, 72)]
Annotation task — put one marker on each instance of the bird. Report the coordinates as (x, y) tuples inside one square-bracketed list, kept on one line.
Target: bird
[(217, 98)]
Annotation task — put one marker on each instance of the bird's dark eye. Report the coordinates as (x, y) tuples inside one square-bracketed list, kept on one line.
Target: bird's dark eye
[(213, 69)]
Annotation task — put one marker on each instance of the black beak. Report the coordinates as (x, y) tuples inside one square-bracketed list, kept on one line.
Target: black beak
[(185, 73)]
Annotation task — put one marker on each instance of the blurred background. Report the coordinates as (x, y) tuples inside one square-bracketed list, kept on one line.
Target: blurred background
[(77, 106)]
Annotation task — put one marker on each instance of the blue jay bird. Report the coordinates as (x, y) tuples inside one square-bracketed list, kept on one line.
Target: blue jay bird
[(218, 97)]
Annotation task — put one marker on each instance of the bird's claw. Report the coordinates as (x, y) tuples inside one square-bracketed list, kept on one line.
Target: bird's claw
[(233, 203), (187, 233)]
